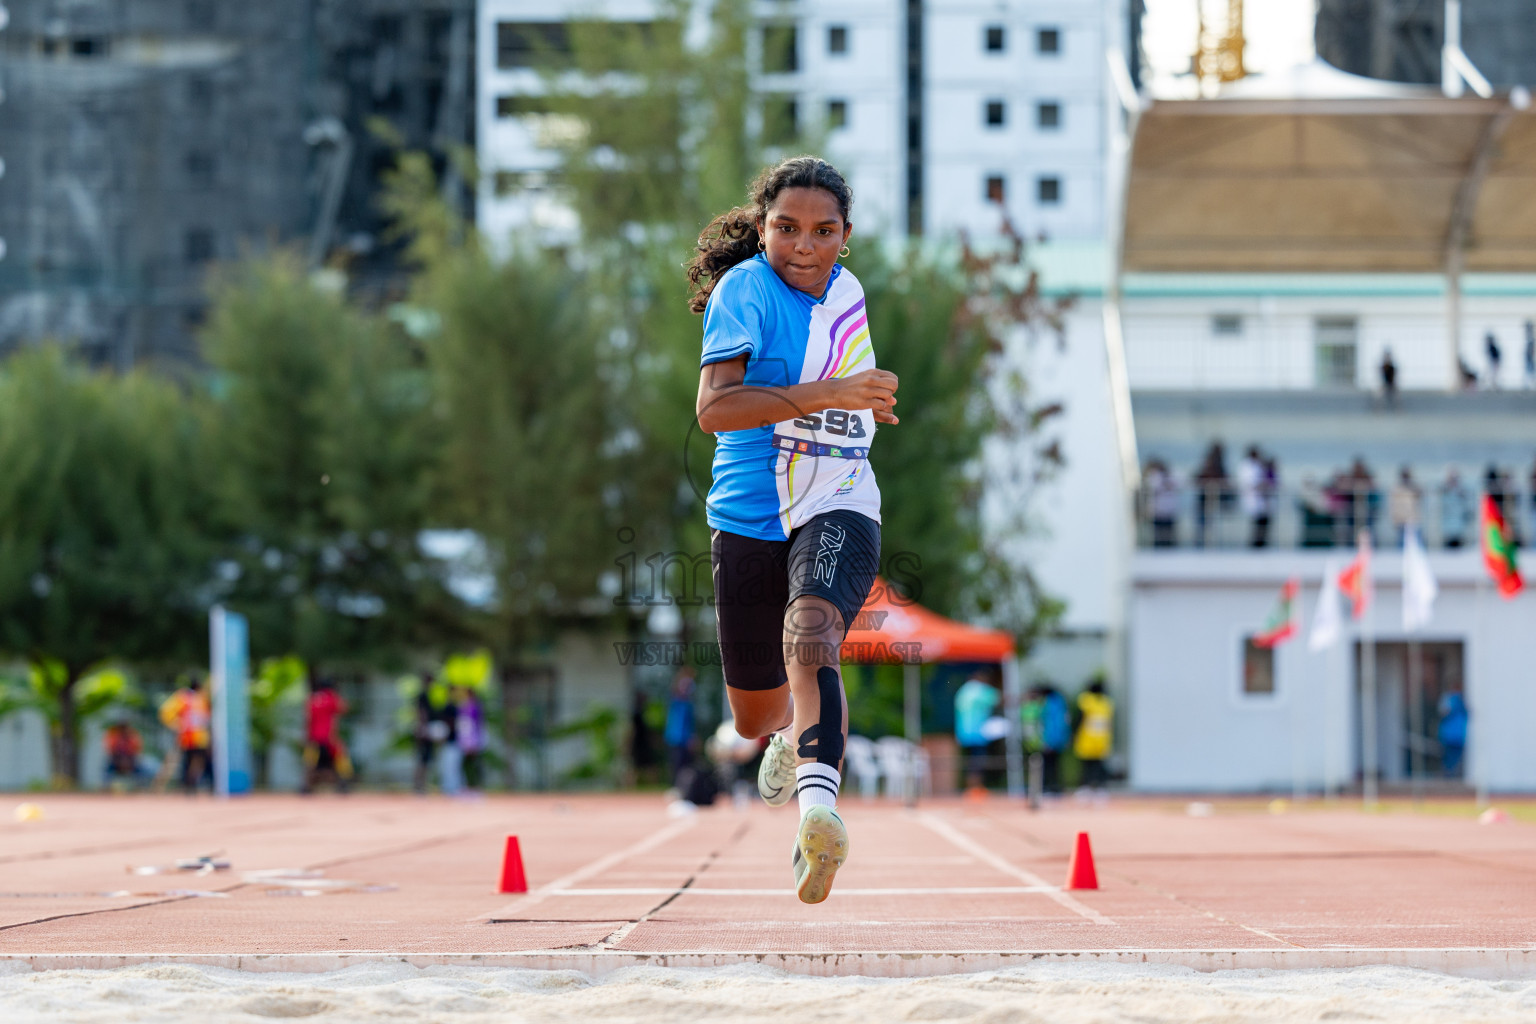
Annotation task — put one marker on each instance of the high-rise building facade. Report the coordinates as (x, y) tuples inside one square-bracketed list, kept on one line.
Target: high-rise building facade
[(945, 116), (145, 141)]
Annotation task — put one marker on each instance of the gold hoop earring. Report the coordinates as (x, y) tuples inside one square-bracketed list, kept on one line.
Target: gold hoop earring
[(760, 246), (843, 252)]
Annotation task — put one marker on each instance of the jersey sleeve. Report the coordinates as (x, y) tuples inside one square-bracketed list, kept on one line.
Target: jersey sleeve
[(733, 320)]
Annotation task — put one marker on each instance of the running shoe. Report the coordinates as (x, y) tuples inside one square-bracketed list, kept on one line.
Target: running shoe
[(820, 849), (776, 775)]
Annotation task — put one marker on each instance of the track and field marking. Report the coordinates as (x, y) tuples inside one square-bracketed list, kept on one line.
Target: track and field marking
[(563, 884), (982, 890), (986, 856)]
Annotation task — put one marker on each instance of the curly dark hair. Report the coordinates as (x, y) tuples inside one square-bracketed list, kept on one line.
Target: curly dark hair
[(732, 238)]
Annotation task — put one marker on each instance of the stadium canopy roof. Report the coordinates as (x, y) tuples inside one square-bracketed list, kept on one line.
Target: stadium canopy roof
[(1313, 169)]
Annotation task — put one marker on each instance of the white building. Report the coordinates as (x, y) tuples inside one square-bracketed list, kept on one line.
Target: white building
[(942, 122), (1277, 241), (1013, 116)]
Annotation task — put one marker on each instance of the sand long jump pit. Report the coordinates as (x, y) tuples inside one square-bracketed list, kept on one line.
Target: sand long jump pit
[(151, 908)]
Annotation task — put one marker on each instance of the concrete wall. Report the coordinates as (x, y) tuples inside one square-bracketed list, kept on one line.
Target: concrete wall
[(1171, 342), (1191, 728)]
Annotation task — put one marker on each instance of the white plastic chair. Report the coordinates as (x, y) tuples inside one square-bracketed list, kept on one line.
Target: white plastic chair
[(900, 761), (861, 763)]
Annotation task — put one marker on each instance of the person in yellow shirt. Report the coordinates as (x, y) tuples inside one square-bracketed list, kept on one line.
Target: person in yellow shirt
[(1095, 735), (187, 714)]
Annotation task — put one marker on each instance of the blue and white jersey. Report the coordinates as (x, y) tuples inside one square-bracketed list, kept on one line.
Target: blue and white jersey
[(770, 480)]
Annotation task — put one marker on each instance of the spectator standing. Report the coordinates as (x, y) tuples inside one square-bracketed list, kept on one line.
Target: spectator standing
[(187, 714), (1495, 357), (682, 726), (1468, 375), (1212, 489), (1496, 486), (435, 720), (1093, 740), (1530, 354), (974, 703), (1532, 499), (1316, 514), (470, 734), (1356, 489), (1455, 510), (324, 753), (642, 740), (1388, 378), (1452, 731), (1163, 503), (1055, 734), (1404, 504), (124, 748), (1253, 496)]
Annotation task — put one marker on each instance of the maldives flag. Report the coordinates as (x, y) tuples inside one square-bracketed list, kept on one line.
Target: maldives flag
[(1281, 624), (1499, 551)]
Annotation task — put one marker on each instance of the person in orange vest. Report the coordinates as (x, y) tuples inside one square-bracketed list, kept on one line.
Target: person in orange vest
[(187, 714)]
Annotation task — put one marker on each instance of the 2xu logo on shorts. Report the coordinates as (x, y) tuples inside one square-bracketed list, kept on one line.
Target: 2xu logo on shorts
[(832, 537)]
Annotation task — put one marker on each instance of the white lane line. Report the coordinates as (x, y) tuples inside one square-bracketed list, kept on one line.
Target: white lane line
[(560, 885), (979, 890), (986, 856)]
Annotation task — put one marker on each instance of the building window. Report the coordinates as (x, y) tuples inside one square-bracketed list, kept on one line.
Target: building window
[(200, 168), (1335, 341), (80, 46), (997, 188), (1258, 669), (995, 39), (527, 44), (1048, 191), (199, 246), (837, 39), (781, 120), (837, 113), (1048, 40), (996, 113), (781, 44), (1048, 115), (1227, 325)]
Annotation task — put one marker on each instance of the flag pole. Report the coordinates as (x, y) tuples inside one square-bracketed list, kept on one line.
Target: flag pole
[(1416, 719), (1369, 755), (1477, 733)]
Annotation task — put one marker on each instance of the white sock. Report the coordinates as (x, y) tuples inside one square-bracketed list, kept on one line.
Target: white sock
[(816, 785)]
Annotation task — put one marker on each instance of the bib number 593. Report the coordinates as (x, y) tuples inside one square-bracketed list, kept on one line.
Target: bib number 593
[(833, 421)]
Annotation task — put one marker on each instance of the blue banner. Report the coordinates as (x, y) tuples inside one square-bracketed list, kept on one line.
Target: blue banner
[(229, 644)]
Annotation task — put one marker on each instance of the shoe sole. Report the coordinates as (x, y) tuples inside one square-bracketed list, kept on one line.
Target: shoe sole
[(823, 845)]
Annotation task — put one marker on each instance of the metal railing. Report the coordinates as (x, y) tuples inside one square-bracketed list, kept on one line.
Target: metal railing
[(1216, 516)]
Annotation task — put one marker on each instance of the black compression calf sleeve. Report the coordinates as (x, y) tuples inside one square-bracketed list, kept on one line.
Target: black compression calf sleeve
[(824, 740)]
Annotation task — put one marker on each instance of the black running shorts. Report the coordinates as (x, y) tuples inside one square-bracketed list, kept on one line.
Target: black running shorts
[(835, 556)]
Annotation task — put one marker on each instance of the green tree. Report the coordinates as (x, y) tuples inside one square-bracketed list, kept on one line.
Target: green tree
[(522, 377), (103, 551), (321, 431)]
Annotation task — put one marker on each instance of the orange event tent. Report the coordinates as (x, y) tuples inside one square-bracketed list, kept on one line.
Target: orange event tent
[(891, 630)]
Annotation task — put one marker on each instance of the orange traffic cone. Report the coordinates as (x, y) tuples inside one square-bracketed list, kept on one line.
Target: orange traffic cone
[(1080, 873), (512, 877)]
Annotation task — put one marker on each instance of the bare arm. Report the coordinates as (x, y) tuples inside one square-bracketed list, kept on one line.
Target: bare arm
[(726, 403)]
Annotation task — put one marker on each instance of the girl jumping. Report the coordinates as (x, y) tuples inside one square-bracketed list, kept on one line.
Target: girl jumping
[(789, 386)]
